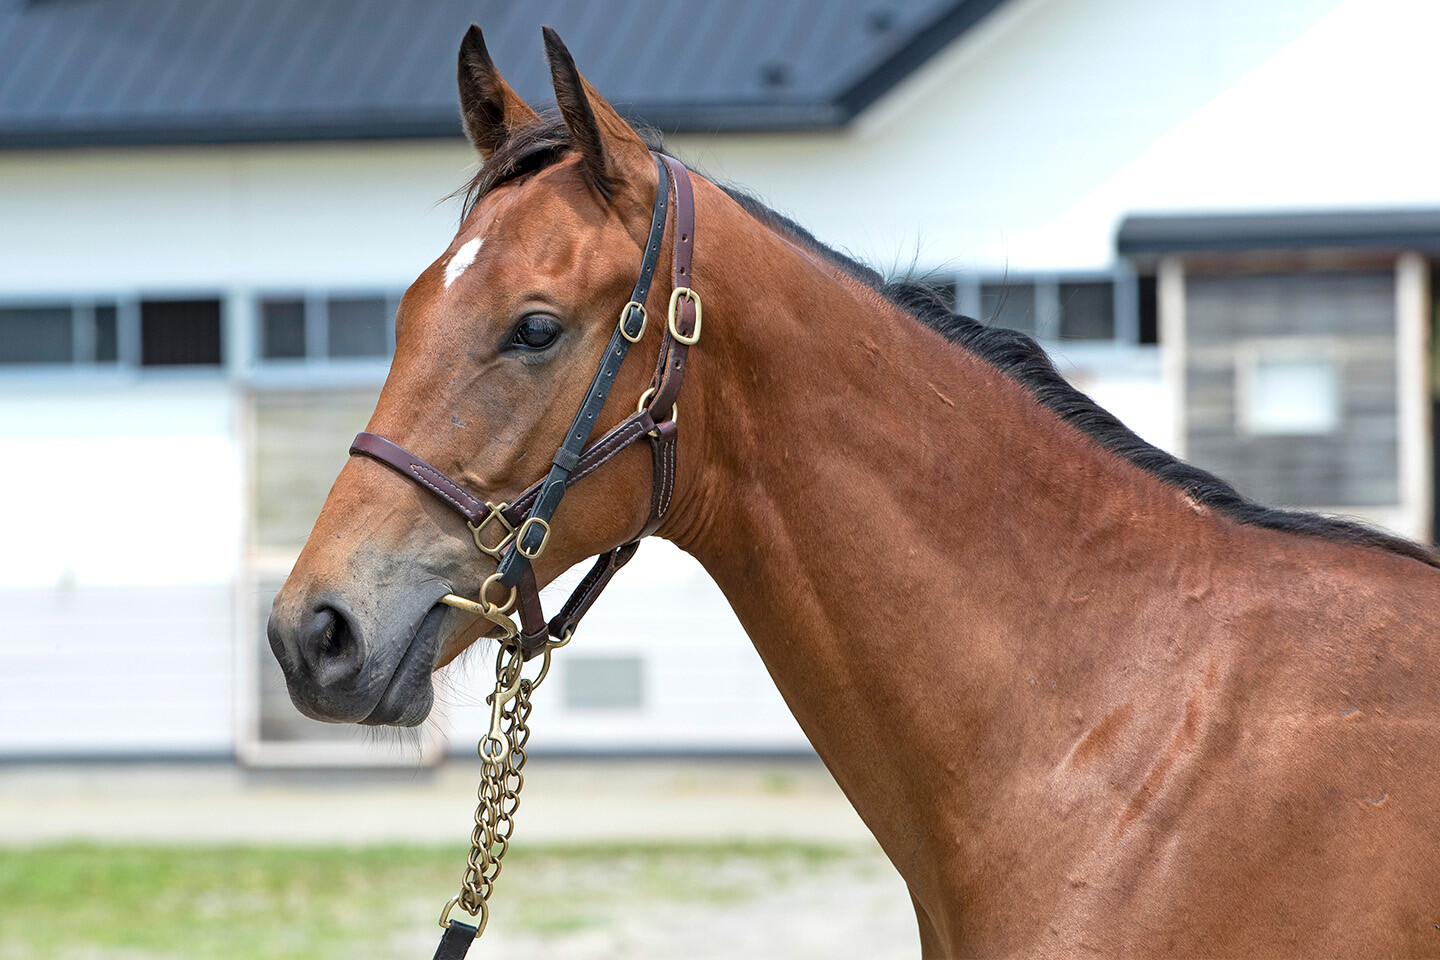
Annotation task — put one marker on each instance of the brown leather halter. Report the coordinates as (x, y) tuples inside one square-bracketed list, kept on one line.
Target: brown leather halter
[(526, 521)]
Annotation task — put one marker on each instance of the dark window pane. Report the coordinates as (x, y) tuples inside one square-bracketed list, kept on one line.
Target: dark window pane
[(36, 335), (1087, 311), (107, 337), (1008, 305), (177, 332), (1149, 304), (357, 327), (282, 324)]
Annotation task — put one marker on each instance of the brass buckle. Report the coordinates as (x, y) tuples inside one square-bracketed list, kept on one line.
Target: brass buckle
[(644, 319), (694, 298), (520, 538), (494, 514), (645, 398)]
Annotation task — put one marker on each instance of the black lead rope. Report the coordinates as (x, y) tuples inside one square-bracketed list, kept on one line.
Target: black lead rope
[(534, 531), (455, 941)]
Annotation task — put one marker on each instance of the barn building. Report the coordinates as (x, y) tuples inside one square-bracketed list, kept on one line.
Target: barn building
[(1221, 217)]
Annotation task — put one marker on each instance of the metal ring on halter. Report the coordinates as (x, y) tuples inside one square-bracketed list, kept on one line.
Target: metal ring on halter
[(487, 610), (509, 603), (482, 918), (645, 398), (625, 315), (694, 298), (495, 614)]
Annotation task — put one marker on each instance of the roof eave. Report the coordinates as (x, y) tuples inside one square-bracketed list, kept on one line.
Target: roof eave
[(127, 132), (1143, 237)]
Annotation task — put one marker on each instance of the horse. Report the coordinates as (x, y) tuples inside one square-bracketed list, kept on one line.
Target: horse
[(1088, 698)]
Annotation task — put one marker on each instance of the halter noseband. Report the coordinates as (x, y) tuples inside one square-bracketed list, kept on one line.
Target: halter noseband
[(526, 522)]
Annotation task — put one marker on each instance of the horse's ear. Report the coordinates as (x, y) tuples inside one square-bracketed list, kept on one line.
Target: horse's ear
[(606, 143), (489, 109)]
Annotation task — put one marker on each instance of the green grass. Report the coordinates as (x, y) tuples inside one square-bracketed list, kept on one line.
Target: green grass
[(278, 903)]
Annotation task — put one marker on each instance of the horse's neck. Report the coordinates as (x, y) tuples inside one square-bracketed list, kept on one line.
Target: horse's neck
[(908, 537)]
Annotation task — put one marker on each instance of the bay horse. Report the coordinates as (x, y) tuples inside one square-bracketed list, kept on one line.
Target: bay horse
[(1088, 698)]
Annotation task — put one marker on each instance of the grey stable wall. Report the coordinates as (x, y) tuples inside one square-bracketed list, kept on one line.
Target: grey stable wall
[(1350, 313)]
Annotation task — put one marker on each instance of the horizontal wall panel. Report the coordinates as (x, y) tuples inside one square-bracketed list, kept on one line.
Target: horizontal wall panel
[(116, 670)]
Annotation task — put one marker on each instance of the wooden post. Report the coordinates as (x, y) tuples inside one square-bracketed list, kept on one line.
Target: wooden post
[(1412, 379), (1170, 296)]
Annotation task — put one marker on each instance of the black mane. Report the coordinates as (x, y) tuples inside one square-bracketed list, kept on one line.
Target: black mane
[(1013, 353)]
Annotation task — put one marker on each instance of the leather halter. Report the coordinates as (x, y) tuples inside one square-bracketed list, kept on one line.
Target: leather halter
[(526, 521)]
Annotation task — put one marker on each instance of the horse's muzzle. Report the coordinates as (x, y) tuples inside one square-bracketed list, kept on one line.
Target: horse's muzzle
[(343, 667)]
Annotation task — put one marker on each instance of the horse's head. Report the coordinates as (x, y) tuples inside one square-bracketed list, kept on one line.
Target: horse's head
[(496, 344)]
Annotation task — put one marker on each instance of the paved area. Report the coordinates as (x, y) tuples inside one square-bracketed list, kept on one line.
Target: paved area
[(779, 905), (563, 801)]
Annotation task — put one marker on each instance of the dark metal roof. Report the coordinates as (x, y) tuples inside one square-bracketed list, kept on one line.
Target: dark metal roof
[(106, 72), (1358, 230)]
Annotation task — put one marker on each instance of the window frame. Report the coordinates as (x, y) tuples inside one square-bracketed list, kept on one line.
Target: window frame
[(1252, 352), (128, 333), (316, 326), (1125, 299)]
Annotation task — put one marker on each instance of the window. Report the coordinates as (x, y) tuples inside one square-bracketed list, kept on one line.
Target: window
[(1147, 290), (1289, 392), (57, 333), (282, 329), (1087, 310), (1109, 308), (320, 328), (36, 335), (603, 683), (1007, 304), (107, 333), (357, 327), (179, 333)]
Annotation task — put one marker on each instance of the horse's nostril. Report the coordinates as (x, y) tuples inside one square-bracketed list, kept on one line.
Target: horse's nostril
[(331, 648)]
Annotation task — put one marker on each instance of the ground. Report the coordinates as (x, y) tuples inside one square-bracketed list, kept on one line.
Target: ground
[(611, 859)]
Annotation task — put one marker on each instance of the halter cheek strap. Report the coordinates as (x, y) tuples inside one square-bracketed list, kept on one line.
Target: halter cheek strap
[(517, 533)]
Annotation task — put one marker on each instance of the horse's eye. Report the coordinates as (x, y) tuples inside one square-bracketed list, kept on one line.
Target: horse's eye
[(536, 332)]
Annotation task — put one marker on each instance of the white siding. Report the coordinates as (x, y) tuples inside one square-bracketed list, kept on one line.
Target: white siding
[(95, 671), (225, 218), (1024, 144), (704, 686), (1019, 149), (121, 508)]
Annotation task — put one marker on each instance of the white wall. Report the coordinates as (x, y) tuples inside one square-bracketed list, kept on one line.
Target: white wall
[(1019, 148), (704, 687), (221, 218), (1025, 143), (120, 506)]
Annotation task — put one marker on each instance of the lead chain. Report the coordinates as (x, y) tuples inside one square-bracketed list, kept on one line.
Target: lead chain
[(502, 755)]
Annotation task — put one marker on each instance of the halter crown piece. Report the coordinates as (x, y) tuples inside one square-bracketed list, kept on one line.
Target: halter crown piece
[(525, 523)]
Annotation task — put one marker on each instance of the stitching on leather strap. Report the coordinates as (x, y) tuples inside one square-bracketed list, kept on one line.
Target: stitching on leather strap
[(454, 489), (623, 436)]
